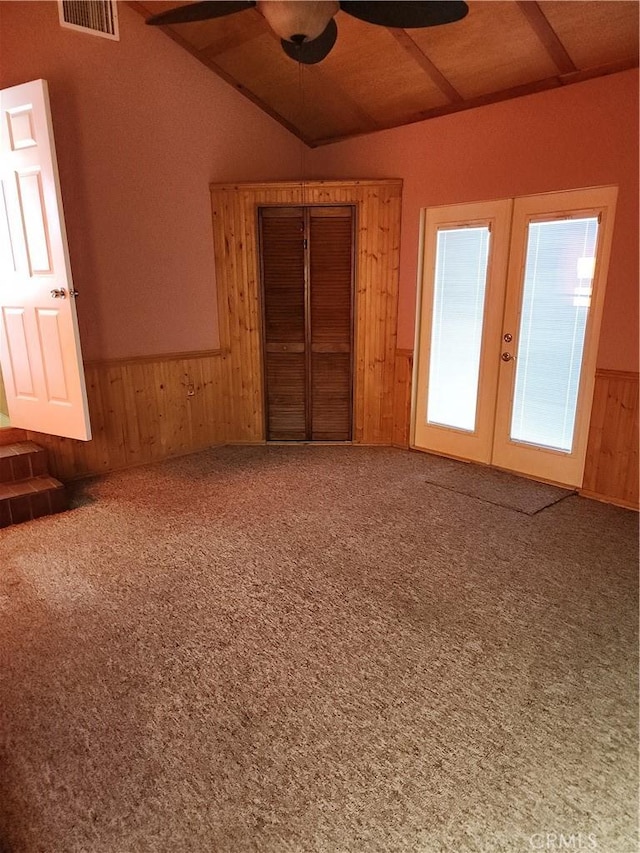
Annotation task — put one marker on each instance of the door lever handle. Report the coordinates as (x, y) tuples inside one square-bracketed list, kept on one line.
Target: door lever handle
[(506, 356), (59, 293)]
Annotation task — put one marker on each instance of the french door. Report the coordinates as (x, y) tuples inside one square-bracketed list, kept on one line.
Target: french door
[(508, 326)]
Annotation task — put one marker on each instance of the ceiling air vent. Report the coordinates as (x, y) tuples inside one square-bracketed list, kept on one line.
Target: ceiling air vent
[(99, 17)]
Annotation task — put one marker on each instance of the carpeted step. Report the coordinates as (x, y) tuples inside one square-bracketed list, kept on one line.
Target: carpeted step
[(23, 500), (22, 460)]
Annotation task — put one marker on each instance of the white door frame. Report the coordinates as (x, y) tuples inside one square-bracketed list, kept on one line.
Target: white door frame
[(476, 444), (544, 462)]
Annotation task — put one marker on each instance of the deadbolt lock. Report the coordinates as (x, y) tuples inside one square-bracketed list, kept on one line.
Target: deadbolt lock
[(508, 338)]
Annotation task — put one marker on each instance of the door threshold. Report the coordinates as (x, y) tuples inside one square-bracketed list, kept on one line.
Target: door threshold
[(311, 443), (491, 467)]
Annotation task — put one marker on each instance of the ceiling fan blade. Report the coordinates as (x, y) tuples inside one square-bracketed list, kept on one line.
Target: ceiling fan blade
[(406, 14), (200, 12), (310, 52)]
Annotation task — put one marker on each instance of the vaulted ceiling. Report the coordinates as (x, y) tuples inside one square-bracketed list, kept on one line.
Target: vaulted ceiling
[(377, 77)]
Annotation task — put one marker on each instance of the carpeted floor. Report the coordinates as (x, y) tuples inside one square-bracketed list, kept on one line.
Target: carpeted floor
[(492, 485), (315, 650)]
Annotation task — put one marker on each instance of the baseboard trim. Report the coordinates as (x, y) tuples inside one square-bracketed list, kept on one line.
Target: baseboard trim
[(91, 476), (608, 499)]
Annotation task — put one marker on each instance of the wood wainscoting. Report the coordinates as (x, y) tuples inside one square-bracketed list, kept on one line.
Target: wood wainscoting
[(143, 410), (611, 471), (402, 398), (611, 468), (235, 232)]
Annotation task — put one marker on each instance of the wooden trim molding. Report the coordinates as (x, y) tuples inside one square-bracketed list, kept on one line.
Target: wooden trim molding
[(315, 188), (146, 359), (626, 375), (234, 211), (432, 71), (496, 97), (547, 36)]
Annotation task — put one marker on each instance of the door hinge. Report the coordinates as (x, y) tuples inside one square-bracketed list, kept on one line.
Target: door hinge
[(305, 243)]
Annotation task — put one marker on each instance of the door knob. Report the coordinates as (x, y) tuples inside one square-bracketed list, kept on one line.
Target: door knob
[(59, 293), (506, 356)]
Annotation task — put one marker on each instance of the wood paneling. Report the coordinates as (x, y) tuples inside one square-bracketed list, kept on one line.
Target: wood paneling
[(611, 467), (143, 410), (375, 78), (611, 471), (147, 409), (595, 34), (234, 209), (402, 398)]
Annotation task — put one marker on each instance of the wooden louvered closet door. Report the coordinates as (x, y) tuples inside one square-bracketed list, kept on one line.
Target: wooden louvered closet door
[(307, 281), (283, 262)]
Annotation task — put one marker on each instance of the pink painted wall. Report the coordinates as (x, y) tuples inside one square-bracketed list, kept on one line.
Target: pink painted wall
[(141, 130), (579, 136)]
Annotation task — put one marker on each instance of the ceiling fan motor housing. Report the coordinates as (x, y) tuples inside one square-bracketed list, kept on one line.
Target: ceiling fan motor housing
[(298, 20)]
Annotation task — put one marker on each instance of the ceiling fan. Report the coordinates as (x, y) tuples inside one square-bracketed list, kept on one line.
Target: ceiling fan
[(307, 29)]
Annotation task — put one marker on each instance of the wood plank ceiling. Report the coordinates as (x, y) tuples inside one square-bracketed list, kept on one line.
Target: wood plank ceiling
[(377, 77)]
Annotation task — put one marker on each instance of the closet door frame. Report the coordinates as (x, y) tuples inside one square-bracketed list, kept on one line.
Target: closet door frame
[(378, 204), (306, 210)]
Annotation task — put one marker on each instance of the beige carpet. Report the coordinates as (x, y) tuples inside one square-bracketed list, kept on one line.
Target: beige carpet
[(314, 650), (489, 484)]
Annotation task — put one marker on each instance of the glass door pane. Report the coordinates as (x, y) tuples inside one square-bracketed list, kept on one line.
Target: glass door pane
[(559, 267), (464, 269), (456, 329)]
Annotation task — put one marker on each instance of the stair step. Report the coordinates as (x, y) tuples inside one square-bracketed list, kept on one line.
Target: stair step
[(22, 460), (23, 500), (9, 435)]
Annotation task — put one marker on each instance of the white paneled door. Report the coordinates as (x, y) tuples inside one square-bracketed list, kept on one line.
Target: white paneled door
[(509, 321), (39, 343)]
